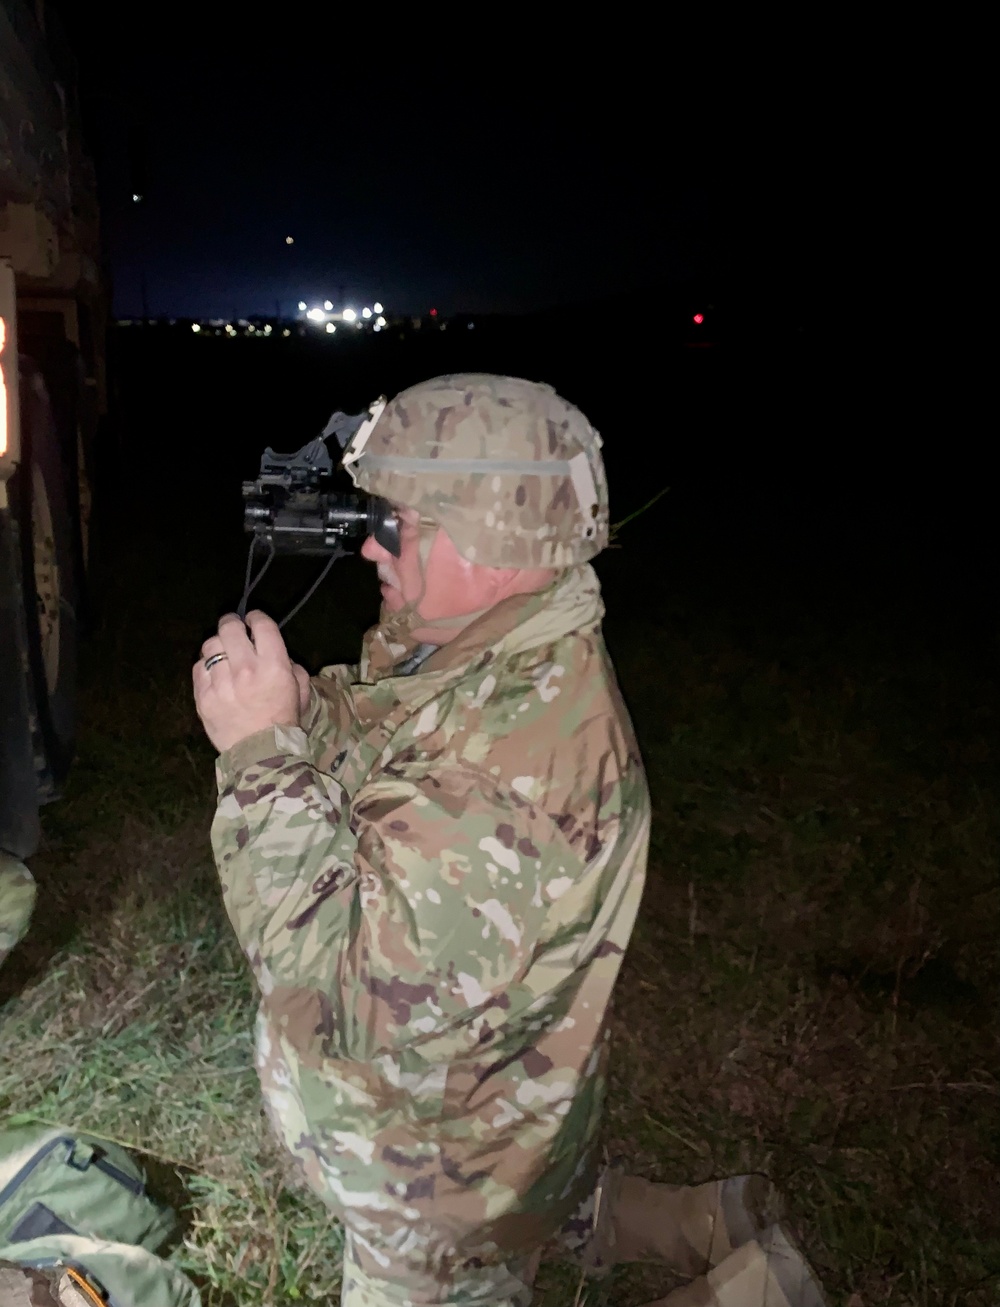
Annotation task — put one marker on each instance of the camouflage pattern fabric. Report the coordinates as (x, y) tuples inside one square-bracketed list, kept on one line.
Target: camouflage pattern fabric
[(434, 880), (511, 470), (372, 1282), (17, 898)]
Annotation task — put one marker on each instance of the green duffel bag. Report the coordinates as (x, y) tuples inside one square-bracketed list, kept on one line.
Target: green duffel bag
[(70, 1200), (55, 1182)]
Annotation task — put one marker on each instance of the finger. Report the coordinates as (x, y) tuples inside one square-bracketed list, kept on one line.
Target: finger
[(203, 688), (234, 641), (267, 638), (212, 645), (204, 675), (201, 681)]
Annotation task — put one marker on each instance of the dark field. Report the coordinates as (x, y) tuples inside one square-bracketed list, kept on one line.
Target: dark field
[(805, 631)]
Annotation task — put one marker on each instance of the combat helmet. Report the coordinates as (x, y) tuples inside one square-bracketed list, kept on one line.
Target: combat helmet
[(508, 468)]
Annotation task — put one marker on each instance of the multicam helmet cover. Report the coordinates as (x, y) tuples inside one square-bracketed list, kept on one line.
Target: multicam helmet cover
[(510, 470)]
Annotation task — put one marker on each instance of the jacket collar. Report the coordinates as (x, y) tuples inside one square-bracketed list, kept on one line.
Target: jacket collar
[(571, 603)]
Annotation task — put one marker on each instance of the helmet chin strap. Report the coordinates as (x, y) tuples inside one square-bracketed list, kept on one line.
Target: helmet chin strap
[(399, 628)]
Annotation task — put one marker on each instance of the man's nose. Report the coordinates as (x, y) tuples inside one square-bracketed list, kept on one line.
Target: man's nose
[(373, 551)]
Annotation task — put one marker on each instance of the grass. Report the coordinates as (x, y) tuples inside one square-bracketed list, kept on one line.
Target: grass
[(810, 990)]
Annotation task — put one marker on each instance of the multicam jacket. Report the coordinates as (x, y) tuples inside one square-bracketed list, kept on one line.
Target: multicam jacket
[(434, 880)]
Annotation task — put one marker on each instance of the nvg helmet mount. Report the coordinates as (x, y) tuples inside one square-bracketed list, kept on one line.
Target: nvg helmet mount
[(294, 508)]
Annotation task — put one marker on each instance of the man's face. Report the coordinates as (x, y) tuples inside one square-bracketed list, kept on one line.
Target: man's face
[(446, 585)]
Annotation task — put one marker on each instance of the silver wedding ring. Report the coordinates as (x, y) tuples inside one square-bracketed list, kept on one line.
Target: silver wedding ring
[(215, 658)]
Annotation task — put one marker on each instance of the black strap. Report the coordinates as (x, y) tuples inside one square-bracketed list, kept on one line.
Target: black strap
[(250, 585)]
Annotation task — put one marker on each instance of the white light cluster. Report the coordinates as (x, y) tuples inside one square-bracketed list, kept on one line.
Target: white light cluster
[(347, 314), (326, 317)]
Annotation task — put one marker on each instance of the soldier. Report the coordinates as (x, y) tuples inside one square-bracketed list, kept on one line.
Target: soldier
[(433, 861)]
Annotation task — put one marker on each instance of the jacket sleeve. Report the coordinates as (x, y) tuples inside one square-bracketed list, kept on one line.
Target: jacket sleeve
[(328, 720), (400, 920)]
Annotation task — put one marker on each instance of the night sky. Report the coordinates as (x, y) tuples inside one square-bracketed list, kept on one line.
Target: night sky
[(502, 170)]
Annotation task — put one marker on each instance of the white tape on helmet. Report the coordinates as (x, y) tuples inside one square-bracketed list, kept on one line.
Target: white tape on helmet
[(357, 446)]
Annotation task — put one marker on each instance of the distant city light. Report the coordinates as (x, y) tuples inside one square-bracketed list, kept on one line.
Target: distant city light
[(328, 305), (376, 326), (379, 323), (285, 331), (289, 240), (349, 315), (316, 315), (331, 327), (136, 198), (699, 318), (434, 313), (366, 313), (377, 307), (302, 306), (196, 326)]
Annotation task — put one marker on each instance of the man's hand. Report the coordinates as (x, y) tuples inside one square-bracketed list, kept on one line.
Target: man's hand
[(254, 686)]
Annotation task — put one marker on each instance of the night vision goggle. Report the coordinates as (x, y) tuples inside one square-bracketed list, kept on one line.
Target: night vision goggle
[(293, 507)]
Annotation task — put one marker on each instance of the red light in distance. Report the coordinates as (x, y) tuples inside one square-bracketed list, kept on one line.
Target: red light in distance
[(699, 318), (434, 313)]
